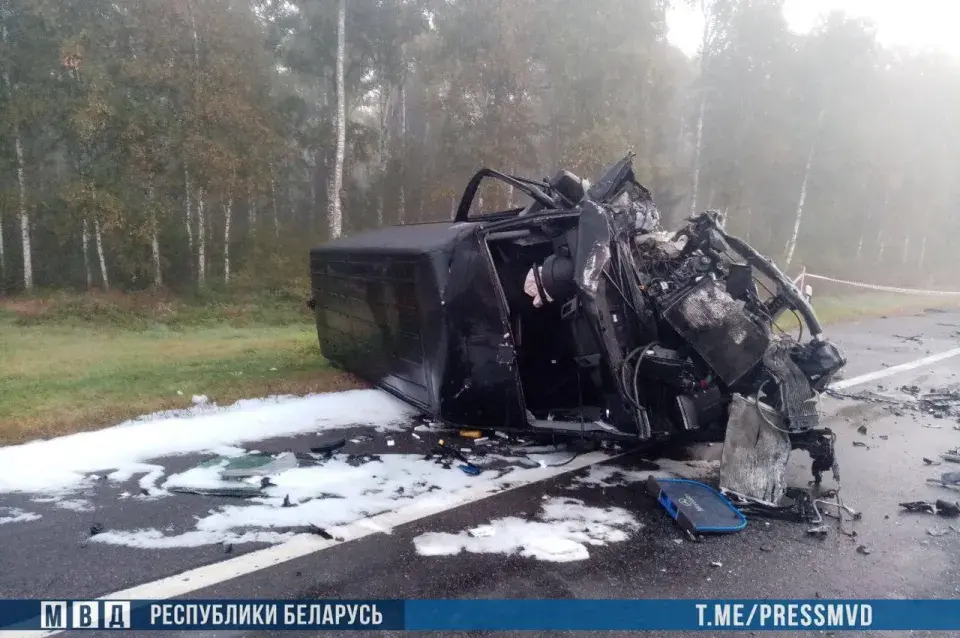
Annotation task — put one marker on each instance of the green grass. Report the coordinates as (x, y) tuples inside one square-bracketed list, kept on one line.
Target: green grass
[(864, 306), (65, 367), (152, 310)]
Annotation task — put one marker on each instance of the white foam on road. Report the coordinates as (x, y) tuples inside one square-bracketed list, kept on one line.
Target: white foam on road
[(156, 539), (564, 530), (329, 495), (65, 463), (305, 544), (16, 515), (75, 505)]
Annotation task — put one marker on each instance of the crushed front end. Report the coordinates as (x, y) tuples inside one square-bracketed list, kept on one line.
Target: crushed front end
[(687, 323)]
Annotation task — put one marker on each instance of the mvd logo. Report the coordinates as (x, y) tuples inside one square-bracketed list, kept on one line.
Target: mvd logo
[(84, 614)]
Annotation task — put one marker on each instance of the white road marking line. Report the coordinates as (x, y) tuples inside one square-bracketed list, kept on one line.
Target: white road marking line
[(887, 372), (426, 505), (423, 507)]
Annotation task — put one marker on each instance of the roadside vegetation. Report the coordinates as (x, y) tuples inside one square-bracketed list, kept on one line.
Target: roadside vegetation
[(70, 362), (73, 362), (846, 308)]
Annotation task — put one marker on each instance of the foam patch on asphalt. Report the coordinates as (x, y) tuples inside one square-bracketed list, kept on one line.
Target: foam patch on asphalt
[(15, 515), (75, 505), (72, 504), (565, 529), (326, 496), (155, 539), (65, 464)]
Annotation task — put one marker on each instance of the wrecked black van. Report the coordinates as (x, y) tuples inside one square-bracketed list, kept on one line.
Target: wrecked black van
[(576, 315)]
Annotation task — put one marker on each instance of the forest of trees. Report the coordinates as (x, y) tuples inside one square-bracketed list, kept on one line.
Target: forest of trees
[(188, 143)]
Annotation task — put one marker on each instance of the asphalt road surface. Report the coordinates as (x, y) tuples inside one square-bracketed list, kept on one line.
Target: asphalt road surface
[(52, 558)]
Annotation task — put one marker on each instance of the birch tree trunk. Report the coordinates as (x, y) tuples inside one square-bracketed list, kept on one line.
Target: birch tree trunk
[(21, 179), (98, 237), (6, 83), (401, 196), (698, 144), (201, 242), (155, 248), (313, 199), (196, 87), (273, 199), (227, 219), (382, 149), (334, 206), (705, 8), (227, 215), (85, 242), (792, 242), (24, 215), (188, 189), (251, 210), (867, 225), (3, 256), (923, 252), (154, 240)]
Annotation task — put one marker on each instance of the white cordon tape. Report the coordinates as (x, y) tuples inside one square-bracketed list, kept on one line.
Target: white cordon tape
[(913, 291)]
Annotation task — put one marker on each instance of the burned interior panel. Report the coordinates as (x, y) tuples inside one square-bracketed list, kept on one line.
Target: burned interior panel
[(580, 315)]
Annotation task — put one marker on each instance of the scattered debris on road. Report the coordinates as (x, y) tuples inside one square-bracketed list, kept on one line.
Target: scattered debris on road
[(950, 478), (939, 507), (947, 509)]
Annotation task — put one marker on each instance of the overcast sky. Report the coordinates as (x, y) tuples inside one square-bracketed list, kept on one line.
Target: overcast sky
[(917, 24)]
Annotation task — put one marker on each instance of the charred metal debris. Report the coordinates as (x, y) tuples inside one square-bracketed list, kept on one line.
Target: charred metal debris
[(579, 316)]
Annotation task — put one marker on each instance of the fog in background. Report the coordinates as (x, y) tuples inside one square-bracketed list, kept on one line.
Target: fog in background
[(186, 143)]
